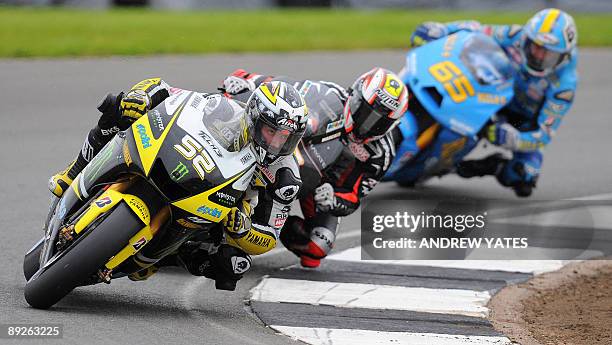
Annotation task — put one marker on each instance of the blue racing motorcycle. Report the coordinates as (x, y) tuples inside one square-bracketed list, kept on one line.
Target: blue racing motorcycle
[(457, 84)]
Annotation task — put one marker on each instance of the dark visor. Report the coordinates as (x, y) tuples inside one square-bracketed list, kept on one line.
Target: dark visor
[(368, 121)]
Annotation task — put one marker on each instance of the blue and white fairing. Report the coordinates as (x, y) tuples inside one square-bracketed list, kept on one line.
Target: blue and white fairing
[(464, 107), (461, 81)]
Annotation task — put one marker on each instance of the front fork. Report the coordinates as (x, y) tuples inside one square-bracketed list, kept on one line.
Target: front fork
[(106, 202)]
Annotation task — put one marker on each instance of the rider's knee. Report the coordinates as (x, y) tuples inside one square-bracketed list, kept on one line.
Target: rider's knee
[(321, 242), (294, 233)]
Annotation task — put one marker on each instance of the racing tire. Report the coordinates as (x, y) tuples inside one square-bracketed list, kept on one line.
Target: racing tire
[(31, 261), (83, 258)]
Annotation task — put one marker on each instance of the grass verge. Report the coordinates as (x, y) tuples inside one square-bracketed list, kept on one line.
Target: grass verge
[(58, 32)]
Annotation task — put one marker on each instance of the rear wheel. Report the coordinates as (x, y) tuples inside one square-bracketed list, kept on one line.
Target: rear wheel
[(83, 258)]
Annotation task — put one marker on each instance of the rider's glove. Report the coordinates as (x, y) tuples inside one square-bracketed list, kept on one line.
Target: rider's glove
[(135, 104), (324, 197), (427, 32), (504, 135), (235, 85), (237, 223)]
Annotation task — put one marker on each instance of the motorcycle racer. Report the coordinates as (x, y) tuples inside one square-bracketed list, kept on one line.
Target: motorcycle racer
[(367, 112), (544, 55), (276, 115)]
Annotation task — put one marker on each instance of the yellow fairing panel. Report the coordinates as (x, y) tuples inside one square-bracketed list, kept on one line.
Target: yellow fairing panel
[(200, 206), (104, 203), (148, 147), (107, 201)]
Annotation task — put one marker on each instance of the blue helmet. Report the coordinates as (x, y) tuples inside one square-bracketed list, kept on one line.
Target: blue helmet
[(549, 39)]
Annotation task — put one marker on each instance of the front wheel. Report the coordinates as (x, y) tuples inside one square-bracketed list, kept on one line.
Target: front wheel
[(83, 258), (31, 261)]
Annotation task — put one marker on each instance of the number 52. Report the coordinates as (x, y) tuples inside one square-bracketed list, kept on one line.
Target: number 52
[(193, 151)]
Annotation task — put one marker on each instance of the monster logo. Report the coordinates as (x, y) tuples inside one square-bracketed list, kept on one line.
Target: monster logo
[(179, 172)]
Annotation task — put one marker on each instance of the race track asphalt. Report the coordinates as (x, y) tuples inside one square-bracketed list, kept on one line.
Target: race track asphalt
[(47, 107)]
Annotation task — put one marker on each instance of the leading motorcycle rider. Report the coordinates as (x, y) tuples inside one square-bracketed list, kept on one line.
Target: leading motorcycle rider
[(369, 110), (276, 115), (544, 55)]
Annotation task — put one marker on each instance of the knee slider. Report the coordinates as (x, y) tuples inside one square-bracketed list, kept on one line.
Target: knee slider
[(323, 239)]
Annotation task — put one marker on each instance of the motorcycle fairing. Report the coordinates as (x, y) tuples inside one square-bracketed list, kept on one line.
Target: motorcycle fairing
[(456, 83)]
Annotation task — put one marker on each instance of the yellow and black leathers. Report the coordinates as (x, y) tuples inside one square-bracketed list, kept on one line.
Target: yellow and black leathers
[(269, 199), (269, 202)]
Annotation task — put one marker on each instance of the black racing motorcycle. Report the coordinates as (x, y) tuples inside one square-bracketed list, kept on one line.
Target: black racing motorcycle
[(175, 173)]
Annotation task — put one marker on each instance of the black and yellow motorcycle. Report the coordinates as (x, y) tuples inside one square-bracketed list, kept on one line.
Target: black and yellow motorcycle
[(175, 173)]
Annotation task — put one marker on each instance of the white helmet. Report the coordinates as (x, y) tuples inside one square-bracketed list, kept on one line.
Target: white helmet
[(278, 116)]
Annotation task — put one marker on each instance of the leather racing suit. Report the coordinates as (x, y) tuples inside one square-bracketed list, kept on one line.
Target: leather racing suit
[(537, 110), (353, 175), (264, 203)]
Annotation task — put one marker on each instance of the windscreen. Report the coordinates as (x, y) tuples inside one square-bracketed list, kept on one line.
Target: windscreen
[(226, 121), (486, 61)]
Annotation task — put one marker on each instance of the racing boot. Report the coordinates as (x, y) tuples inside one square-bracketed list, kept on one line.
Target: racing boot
[(60, 182), (523, 187), (490, 165), (94, 142)]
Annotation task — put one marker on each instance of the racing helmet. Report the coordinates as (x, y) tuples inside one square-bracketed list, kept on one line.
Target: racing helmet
[(377, 101), (549, 38), (277, 116)]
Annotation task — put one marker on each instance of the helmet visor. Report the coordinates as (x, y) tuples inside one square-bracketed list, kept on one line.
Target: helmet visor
[(369, 121), (539, 58), (276, 141)]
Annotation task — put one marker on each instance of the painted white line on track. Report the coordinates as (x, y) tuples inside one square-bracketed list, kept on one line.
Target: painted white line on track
[(371, 296), (521, 266), (606, 196), (327, 336), (587, 217)]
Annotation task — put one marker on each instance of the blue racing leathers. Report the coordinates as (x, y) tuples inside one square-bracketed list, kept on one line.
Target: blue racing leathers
[(536, 111)]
